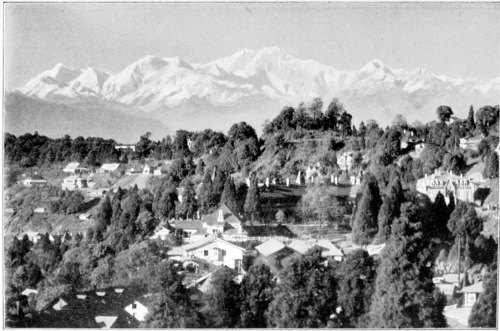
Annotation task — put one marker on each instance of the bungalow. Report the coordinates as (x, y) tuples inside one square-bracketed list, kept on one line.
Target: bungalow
[(345, 160), (213, 250), (110, 167), (133, 170), (85, 217), (273, 252), (40, 210), (29, 182), (148, 170), (158, 172), (162, 233), (71, 167), (32, 236), (74, 182), (471, 293), (125, 147), (471, 143), (137, 310)]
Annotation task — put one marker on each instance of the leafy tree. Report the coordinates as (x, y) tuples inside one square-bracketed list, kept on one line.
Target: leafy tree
[(491, 166), (252, 202), (486, 117), (484, 311), (364, 226), (306, 295), (405, 296), (356, 287), (222, 303), (320, 203), (444, 113), (256, 293)]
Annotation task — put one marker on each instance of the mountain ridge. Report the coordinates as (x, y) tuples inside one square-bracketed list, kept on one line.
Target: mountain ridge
[(158, 86)]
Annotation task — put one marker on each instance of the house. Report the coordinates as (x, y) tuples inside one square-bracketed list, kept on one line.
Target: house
[(32, 236), (471, 143), (447, 183), (40, 210), (345, 160), (103, 308), (312, 173), (99, 193), (192, 230), (447, 289), (220, 222), (137, 310), (148, 169), (213, 250), (110, 167), (9, 210), (27, 292), (471, 293), (29, 182), (125, 147), (84, 217), (409, 139), (158, 172), (71, 167), (162, 233), (133, 170), (75, 182)]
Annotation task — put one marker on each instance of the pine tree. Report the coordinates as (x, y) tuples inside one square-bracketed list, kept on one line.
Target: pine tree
[(365, 220), (252, 202), (256, 293), (189, 205), (470, 119), (229, 196), (405, 296), (104, 214), (440, 216), (306, 295), (356, 287), (389, 209)]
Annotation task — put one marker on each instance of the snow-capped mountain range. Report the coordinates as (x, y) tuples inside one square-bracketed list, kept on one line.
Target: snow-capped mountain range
[(254, 85)]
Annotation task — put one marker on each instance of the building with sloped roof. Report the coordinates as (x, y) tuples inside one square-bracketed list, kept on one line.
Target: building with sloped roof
[(447, 183), (104, 308)]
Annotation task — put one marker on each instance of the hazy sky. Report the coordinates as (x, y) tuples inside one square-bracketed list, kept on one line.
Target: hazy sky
[(455, 39)]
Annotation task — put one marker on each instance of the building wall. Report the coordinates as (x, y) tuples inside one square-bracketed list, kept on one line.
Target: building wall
[(214, 253)]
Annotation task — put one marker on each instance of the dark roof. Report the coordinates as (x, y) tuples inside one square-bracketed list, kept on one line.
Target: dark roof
[(81, 312)]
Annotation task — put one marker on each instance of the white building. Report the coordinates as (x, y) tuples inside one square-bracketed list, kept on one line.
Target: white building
[(109, 167), (28, 182), (137, 310), (213, 250), (345, 161)]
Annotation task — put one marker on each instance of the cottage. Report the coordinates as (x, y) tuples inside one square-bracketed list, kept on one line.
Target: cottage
[(85, 217), (137, 310), (125, 147), (110, 167), (71, 167), (158, 172), (471, 143), (471, 293), (75, 182), (213, 250), (162, 233), (148, 170), (29, 182), (40, 210), (192, 230), (345, 160)]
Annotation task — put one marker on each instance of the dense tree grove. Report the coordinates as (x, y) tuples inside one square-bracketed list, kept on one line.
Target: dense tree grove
[(372, 197)]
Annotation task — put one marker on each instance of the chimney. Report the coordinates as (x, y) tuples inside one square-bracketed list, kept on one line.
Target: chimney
[(287, 181), (267, 182), (220, 218), (336, 180)]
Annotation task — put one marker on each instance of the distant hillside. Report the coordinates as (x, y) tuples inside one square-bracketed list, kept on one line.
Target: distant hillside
[(24, 114)]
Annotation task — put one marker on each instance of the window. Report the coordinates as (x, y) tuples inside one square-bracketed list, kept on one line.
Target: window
[(205, 253), (205, 266), (134, 306)]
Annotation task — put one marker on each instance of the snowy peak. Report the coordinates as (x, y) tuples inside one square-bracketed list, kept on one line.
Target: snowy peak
[(266, 75)]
